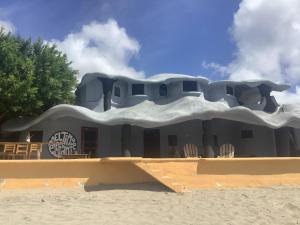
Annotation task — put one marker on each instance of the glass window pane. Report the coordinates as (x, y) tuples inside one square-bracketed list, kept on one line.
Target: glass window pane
[(138, 89), (189, 86)]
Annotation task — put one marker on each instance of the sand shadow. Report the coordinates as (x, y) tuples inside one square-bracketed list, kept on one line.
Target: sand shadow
[(155, 187)]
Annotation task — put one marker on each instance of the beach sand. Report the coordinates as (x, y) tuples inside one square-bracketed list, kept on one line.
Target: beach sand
[(150, 204)]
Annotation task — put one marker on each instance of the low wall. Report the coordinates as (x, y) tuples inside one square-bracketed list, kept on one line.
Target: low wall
[(248, 172), (68, 173), (192, 173)]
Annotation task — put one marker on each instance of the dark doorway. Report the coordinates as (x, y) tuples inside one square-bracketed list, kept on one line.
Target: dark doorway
[(151, 143), (89, 140), (36, 136)]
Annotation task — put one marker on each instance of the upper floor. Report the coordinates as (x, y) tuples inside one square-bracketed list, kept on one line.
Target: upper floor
[(100, 92)]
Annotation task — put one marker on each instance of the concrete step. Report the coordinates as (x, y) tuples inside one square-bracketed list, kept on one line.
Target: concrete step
[(162, 176)]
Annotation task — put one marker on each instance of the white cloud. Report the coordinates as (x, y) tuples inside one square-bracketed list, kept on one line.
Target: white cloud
[(222, 70), (7, 26), (267, 36), (101, 47), (288, 97)]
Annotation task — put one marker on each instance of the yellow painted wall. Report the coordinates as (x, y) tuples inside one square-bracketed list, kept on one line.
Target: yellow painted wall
[(190, 173), (230, 173), (68, 173)]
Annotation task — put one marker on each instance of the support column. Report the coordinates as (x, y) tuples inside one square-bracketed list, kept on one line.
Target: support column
[(282, 142), (208, 141), (126, 140)]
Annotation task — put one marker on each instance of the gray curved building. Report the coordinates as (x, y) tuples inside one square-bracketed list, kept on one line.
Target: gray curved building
[(158, 116)]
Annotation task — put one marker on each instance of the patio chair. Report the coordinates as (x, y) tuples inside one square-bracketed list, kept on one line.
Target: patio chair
[(226, 151), (22, 151), (190, 150), (8, 151), (35, 149)]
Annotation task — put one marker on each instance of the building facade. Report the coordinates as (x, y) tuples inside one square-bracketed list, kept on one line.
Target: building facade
[(158, 116)]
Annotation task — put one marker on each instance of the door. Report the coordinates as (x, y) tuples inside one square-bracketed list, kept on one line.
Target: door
[(89, 140), (36, 136), (151, 143)]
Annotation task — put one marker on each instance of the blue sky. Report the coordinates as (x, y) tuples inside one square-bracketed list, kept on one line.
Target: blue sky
[(236, 39), (175, 36)]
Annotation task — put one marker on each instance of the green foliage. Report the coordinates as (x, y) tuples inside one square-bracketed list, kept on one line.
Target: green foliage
[(34, 76)]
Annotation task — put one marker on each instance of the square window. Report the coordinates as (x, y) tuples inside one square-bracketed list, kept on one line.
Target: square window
[(172, 140), (229, 90), (189, 86), (117, 91), (245, 134), (138, 89)]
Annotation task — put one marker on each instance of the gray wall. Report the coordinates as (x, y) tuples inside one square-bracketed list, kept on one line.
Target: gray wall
[(251, 97), (151, 93), (191, 132), (91, 95), (109, 138), (229, 132)]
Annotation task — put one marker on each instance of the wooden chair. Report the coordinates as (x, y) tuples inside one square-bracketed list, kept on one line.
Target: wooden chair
[(8, 151), (22, 151), (35, 149), (226, 151), (190, 150)]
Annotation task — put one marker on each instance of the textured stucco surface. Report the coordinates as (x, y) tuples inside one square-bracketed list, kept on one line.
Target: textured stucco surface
[(151, 111), (150, 114)]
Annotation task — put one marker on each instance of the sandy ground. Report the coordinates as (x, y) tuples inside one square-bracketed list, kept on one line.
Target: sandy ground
[(150, 204)]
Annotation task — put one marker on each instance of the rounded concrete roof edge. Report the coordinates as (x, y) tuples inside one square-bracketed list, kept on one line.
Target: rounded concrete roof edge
[(184, 109), (169, 77)]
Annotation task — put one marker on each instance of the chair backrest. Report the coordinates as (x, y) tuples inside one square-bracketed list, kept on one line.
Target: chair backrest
[(9, 148), (22, 148), (227, 151), (35, 148), (190, 150)]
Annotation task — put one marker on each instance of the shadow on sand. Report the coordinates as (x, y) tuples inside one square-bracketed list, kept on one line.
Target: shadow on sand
[(156, 187)]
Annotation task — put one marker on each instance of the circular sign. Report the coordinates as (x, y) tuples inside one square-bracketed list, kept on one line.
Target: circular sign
[(62, 143)]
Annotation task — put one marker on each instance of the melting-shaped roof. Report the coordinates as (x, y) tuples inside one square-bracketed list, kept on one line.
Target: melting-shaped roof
[(153, 114)]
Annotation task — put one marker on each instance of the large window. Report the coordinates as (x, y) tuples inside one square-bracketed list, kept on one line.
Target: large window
[(189, 86), (163, 90), (138, 89)]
